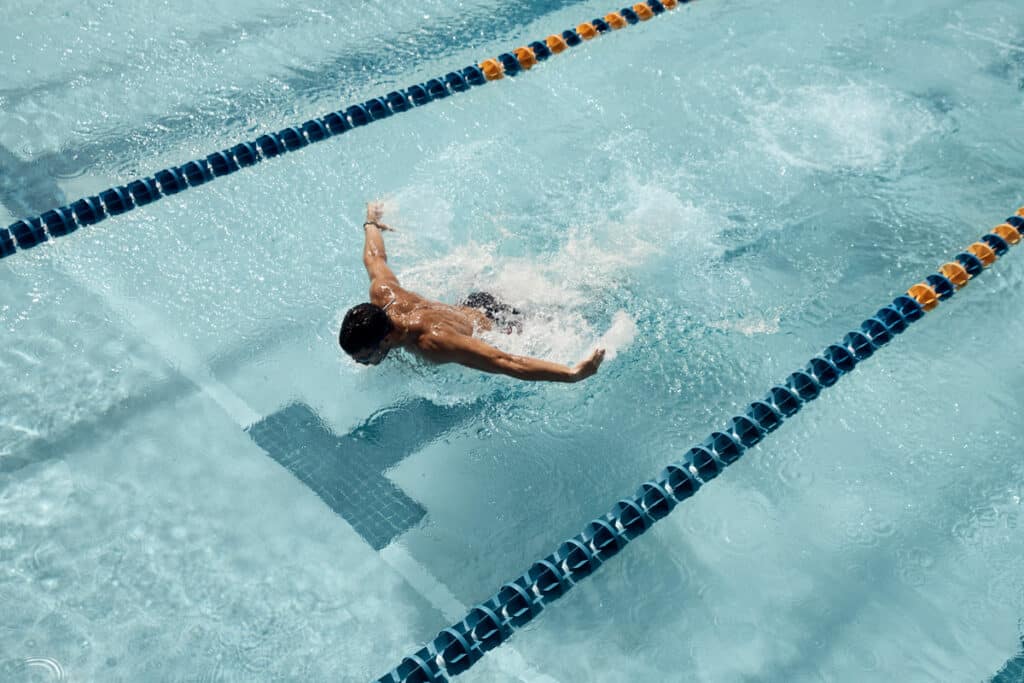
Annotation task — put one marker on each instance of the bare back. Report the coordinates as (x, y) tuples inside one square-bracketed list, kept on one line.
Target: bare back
[(422, 319)]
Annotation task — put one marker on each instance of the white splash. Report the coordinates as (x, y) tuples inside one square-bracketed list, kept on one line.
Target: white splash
[(556, 290), (549, 290), (851, 126), (619, 336)]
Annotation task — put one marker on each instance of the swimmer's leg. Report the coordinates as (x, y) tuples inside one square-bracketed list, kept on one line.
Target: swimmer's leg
[(498, 311)]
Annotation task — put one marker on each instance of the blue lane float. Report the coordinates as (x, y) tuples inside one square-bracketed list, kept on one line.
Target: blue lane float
[(59, 222), (458, 647)]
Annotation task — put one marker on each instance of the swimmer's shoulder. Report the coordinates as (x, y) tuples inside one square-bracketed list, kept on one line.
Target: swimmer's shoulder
[(436, 336), (384, 292)]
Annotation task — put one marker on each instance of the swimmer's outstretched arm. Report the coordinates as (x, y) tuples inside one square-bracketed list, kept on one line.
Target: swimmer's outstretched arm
[(479, 355), (375, 258)]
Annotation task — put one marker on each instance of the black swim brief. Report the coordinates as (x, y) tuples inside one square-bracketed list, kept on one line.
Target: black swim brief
[(499, 312)]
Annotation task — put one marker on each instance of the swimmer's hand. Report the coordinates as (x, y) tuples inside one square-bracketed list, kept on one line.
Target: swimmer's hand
[(588, 367), (374, 214)]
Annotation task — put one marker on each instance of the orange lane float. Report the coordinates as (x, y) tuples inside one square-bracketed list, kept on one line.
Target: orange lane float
[(586, 31), (556, 44), (924, 295), (955, 273), (983, 252), (1008, 233), (615, 20), (643, 11), (527, 59), (493, 70)]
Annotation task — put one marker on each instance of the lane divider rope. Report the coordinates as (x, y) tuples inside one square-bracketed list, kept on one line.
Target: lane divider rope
[(64, 220), (492, 622)]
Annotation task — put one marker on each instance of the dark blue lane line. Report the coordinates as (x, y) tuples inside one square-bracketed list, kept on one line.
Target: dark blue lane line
[(347, 472), (30, 186), (1013, 670)]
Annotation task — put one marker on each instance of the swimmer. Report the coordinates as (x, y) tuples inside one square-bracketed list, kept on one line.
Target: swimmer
[(437, 332)]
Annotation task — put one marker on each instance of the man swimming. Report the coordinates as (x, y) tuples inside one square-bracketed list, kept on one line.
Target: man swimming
[(437, 332)]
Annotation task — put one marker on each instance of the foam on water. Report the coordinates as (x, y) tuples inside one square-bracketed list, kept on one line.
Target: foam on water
[(850, 126), (561, 292)]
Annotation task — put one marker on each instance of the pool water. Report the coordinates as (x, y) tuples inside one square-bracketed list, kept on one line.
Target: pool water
[(196, 485)]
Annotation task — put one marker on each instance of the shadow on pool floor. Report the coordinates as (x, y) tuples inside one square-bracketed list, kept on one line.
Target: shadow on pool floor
[(1013, 670), (347, 472)]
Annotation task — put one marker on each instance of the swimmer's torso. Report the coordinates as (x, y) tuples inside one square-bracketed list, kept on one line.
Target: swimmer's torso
[(421, 317)]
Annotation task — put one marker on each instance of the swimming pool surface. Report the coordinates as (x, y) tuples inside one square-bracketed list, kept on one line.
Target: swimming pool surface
[(195, 484)]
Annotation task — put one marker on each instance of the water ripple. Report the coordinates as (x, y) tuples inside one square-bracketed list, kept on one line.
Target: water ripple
[(868, 530), (51, 667), (913, 565), (794, 472), (746, 528)]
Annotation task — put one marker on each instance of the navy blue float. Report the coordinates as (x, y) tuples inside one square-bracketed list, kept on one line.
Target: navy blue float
[(171, 181), (997, 243), (398, 102), (28, 233), (88, 211), (436, 89), (143, 191), (510, 64), (6, 243), (418, 95), (315, 131), (358, 115), (765, 415), (377, 109), (474, 76), (571, 38), (456, 82), (117, 200), (540, 50), (971, 263), (59, 222), (246, 154)]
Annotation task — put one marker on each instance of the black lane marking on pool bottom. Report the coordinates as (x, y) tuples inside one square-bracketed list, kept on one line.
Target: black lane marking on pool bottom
[(1013, 670), (347, 472)]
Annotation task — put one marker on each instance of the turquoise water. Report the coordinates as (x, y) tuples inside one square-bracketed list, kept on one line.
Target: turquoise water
[(739, 182)]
